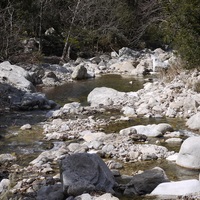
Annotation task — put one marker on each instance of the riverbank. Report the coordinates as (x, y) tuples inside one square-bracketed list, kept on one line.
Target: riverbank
[(75, 128)]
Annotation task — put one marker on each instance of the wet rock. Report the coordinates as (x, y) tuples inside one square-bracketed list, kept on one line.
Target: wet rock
[(84, 172), (189, 156), (172, 190), (145, 182)]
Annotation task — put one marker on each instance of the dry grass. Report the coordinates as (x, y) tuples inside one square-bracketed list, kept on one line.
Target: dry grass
[(167, 75), (191, 78)]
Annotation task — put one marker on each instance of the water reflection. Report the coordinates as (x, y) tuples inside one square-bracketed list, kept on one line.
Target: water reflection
[(79, 90)]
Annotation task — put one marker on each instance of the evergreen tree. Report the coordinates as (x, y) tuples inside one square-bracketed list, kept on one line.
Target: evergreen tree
[(183, 30)]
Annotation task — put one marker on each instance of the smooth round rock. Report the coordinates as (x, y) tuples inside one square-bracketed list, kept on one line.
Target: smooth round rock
[(189, 156)]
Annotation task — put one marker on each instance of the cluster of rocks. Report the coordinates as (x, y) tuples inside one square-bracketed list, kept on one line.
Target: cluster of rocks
[(76, 144), (73, 168), (126, 61), (157, 99), (23, 79), (18, 91)]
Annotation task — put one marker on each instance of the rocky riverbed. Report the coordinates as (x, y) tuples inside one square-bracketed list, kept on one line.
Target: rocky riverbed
[(72, 166)]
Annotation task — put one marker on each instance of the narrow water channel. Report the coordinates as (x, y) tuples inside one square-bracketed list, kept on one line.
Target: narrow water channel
[(28, 145)]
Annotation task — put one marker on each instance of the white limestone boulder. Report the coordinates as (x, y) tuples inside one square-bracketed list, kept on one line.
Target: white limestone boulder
[(189, 156), (106, 96), (153, 130), (194, 122), (125, 66), (179, 188), (16, 76)]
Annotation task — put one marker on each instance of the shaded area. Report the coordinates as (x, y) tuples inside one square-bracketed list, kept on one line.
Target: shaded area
[(8, 96)]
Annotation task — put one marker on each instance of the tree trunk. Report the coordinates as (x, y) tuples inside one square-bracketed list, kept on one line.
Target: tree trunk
[(66, 49)]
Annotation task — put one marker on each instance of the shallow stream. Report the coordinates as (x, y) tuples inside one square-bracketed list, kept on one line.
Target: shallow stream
[(28, 144)]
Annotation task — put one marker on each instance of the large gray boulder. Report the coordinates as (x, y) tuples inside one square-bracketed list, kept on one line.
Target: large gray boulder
[(15, 76), (84, 172), (145, 182), (194, 122), (189, 156)]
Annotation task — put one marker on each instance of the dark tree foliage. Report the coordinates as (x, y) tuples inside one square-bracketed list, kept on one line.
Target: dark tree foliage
[(99, 25), (183, 29)]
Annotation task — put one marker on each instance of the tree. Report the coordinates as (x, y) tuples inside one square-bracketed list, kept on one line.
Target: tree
[(9, 32), (183, 30), (149, 14), (64, 54)]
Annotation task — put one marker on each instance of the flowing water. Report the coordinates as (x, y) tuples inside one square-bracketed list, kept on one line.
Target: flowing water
[(28, 144)]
